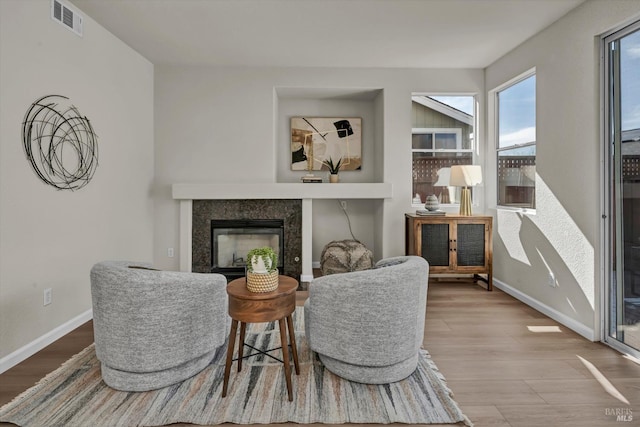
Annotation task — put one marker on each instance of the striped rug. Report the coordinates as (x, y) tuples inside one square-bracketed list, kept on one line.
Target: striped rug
[(75, 395)]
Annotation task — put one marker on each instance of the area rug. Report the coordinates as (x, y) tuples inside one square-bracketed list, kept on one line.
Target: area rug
[(75, 395)]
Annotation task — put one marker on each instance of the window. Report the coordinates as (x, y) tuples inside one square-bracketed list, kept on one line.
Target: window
[(442, 136), (516, 145), (436, 140)]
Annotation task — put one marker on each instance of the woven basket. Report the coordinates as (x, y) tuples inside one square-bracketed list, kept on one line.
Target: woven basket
[(262, 282)]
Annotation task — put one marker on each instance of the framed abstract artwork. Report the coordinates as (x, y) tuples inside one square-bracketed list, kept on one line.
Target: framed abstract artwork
[(315, 140), (60, 143)]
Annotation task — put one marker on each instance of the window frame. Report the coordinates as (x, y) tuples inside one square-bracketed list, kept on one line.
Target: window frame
[(494, 95), (473, 148), (434, 131)]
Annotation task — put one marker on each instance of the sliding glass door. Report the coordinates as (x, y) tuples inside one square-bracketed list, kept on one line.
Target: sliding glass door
[(622, 184)]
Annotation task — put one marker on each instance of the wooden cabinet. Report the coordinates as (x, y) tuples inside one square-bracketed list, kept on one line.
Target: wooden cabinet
[(453, 244)]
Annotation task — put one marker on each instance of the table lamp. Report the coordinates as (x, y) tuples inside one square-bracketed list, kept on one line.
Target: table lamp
[(465, 176)]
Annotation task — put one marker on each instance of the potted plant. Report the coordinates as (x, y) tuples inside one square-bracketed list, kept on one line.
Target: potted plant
[(262, 260), (262, 270), (334, 168)]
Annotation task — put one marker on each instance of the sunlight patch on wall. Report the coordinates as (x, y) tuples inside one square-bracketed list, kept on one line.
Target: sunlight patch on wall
[(566, 238), (509, 225), (570, 304), (570, 249), (552, 281)]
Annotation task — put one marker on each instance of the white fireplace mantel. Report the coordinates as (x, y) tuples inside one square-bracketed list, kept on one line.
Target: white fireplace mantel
[(282, 191), (186, 193)]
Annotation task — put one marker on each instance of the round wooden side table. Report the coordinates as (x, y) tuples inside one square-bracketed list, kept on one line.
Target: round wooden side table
[(253, 307)]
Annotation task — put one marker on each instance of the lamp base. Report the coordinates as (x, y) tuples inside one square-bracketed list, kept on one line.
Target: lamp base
[(465, 202)]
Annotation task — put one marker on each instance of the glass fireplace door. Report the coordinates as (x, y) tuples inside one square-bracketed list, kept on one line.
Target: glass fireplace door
[(231, 240), (232, 244)]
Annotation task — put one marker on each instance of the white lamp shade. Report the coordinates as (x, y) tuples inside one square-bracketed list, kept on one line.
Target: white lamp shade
[(465, 175)]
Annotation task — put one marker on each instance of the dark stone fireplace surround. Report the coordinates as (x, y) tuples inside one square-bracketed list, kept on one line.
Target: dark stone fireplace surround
[(290, 211)]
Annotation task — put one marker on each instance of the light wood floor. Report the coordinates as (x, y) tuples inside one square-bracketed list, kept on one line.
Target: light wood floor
[(507, 364)]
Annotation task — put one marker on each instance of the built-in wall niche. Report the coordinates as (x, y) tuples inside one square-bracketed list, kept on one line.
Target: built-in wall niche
[(365, 103), (330, 223)]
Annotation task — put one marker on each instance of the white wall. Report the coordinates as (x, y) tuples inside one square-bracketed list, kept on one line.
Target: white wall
[(563, 235), (221, 125), (50, 238), (330, 223)]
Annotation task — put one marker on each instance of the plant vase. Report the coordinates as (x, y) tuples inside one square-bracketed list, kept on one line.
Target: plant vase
[(262, 282), (262, 274), (334, 168)]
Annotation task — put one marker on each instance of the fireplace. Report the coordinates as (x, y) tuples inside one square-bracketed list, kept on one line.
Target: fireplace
[(231, 240), (207, 212)]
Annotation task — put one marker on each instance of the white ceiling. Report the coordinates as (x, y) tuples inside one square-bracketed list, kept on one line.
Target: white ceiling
[(325, 33)]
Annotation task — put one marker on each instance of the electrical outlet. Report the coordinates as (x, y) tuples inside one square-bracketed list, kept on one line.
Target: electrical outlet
[(343, 203), (170, 252), (47, 296)]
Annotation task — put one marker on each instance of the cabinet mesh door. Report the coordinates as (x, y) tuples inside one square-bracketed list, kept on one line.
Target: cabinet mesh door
[(435, 244), (470, 244)]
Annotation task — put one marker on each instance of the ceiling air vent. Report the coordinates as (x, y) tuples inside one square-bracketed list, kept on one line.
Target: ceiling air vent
[(68, 17)]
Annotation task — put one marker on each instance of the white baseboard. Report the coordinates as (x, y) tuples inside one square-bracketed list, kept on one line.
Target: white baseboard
[(565, 320), (315, 264), (12, 359)]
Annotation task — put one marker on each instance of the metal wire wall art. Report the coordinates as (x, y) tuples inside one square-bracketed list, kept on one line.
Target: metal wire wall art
[(59, 143)]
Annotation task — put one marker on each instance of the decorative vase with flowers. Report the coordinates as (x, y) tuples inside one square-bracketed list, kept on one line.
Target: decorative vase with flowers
[(262, 271)]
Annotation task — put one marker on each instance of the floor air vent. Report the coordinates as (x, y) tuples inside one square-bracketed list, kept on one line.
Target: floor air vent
[(68, 17)]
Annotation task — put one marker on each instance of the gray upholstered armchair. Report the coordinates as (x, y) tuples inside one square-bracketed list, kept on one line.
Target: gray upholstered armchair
[(155, 328), (368, 326)]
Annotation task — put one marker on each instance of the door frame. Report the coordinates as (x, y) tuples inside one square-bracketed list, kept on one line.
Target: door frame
[(607, 221)]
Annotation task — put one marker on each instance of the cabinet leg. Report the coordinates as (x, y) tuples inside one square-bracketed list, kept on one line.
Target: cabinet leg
[(488, 280)]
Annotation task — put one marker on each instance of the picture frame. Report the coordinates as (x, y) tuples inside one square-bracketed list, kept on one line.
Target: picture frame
[(315, 140)]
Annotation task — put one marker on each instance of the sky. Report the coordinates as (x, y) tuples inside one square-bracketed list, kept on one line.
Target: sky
[(462, 103), (630, 75), (517, 113), (517, 110)]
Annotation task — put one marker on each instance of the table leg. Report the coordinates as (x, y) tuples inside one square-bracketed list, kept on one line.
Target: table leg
[(292, 340), (285, 356), (243, 327), (227, 365)]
